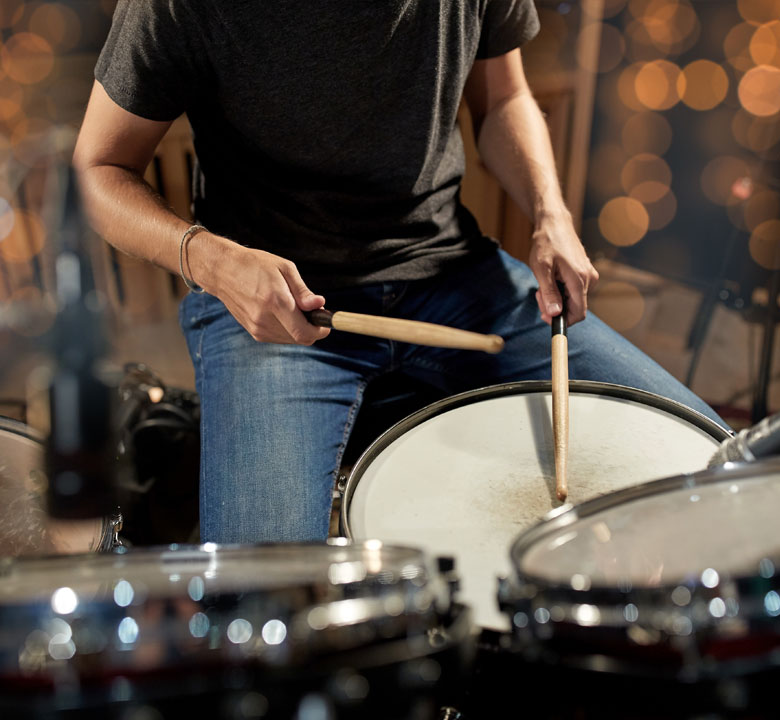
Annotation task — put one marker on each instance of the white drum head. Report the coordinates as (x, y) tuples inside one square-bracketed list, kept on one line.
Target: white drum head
[(467, 475)]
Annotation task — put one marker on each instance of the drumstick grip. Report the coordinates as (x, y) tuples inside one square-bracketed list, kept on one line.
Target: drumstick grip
[(410, 331)]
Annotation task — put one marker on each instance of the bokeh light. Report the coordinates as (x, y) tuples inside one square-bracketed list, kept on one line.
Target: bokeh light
[(57, 23), (755, 133), (649, 191), (762, 206), (11, 99), (619, 304), (548, 44), (659, 84), (613, 7), (759, 206), (25, 239), (609, 40), (702, 85), (27, 58), (721, 175), (759, 90), (672, 26), (736, 46), (765, 244), (9, 12), (646, 132), (765, 44), (660, 211), (623, 221), (627, 87), (759, 11), (646, 169), (607, 184)]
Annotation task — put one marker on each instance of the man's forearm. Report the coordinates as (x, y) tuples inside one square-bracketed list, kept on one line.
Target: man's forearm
[(514, 143), (131, 216)]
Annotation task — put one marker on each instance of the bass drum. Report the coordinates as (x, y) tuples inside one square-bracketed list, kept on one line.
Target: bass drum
[(290, 631), (655, 601), (465, 475)]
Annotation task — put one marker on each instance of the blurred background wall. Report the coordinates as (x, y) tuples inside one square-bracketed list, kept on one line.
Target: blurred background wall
[(665, 119)]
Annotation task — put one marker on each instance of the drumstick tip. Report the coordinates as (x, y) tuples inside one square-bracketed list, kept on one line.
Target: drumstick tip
[(495, 344)]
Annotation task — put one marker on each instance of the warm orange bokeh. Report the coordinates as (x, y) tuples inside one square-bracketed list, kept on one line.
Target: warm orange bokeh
[(660, 212), (58, 24), (658, 84), (765, 44), (9, 12), (755, 133), (647, 132), (671, 25), (619, 304), (26, 239), (27, 58), (765, 244), (720, 176), (609, 40), (759, 11), (736, 46), (703, 84), (644, 168), (759, 90), (623, 221)]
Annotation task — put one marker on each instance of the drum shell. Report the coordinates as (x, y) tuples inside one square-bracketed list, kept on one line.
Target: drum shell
[(703, 642), (389, 663)]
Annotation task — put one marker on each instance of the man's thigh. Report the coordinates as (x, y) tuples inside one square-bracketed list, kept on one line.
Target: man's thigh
[(274, 423)]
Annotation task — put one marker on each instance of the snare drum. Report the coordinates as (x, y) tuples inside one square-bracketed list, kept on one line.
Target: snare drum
[(25, 527), (288, 631), (465, 475), (656, 601)]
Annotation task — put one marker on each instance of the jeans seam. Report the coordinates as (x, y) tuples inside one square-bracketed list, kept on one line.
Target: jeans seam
[(202, 362)]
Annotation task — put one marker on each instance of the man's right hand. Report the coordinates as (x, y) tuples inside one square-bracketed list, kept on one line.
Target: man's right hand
[(264, 292)]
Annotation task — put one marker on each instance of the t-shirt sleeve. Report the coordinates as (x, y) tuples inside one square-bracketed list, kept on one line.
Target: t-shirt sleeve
[(146, 65), (506, 25)]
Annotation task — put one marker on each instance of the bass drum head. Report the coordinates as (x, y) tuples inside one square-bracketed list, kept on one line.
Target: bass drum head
[(465, 476)]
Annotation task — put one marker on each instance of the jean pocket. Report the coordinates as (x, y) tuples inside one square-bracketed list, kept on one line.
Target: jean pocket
[(200, 309)]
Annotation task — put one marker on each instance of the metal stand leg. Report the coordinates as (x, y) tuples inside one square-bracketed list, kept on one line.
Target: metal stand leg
[(760, 402)]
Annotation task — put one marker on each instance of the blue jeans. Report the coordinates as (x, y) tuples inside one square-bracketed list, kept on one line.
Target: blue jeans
[(276, 418)]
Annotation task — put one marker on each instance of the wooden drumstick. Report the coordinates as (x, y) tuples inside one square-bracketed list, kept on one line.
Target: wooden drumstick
[(410, 331), (560, 399)]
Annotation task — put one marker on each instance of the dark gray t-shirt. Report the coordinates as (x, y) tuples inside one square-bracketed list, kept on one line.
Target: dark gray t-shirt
[(325, 132)]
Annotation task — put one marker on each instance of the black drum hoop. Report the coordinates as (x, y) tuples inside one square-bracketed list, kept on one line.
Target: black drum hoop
[(522, 387)]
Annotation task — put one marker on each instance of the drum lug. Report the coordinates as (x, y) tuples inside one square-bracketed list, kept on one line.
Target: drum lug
[(446, 566), (341, 483)]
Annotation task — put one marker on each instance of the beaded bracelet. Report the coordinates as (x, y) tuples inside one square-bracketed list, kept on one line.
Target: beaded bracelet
[(188, 233)]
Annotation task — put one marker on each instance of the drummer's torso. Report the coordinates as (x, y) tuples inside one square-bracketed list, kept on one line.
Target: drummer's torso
[(336, 132)]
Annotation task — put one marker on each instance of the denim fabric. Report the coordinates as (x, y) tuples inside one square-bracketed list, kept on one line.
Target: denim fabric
[(276, 418)]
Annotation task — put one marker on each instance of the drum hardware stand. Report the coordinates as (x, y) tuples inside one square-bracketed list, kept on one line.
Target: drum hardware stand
[(732, 294), (723, 290)]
